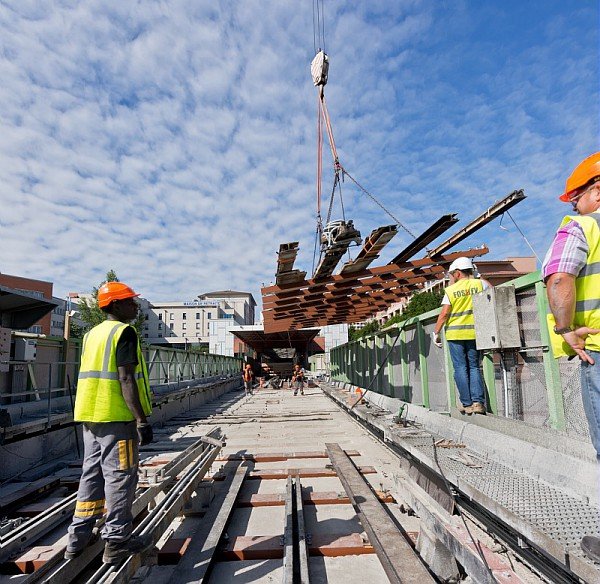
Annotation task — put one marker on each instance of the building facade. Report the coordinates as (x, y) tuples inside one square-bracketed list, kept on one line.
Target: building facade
[(185, 324)]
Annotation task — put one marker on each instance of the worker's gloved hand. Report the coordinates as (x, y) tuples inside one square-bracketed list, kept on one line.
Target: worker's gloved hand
[(437, 339), (145, 433)]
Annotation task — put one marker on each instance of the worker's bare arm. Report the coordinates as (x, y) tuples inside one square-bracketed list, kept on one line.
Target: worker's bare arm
[(130, 392), (561, 297)]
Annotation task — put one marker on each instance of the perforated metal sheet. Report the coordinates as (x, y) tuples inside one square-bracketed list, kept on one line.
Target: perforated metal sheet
[(436, 372), (575, 420), (562, 517), (414, 368)]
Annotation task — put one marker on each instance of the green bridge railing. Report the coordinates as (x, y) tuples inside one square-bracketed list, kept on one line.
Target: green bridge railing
[(526, 384)]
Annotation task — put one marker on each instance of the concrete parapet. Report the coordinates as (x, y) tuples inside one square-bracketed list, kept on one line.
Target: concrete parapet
[(559, 462)]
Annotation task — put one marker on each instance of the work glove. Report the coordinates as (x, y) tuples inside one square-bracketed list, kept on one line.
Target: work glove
[(145, 434), (437, 339)]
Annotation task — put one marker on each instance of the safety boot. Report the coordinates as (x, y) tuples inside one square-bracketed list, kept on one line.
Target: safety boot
[(72, 553), (591, 547), (116, 551), (478, 408)]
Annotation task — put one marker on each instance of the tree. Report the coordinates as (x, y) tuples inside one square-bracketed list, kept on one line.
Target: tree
[(370, 328), (418, 304), (92, 315)]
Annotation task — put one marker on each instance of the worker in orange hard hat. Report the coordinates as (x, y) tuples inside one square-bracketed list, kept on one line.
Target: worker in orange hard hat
[(248, 377), (113, 402), (571, 271)]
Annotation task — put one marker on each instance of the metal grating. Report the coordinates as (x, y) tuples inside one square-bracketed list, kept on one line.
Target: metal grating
[(436, 372), (564, 518), (575, 421)]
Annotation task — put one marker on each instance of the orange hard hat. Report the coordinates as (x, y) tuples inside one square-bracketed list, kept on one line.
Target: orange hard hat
[(584, 173), (111, 291)]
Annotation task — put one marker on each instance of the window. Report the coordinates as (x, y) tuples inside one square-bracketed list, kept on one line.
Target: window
[(146, 317), (145, 335), (208, 315), (171, 326), (184, 315), (197, 315), (160, 326), (184, 326), (197, 325), (160, 316), (171, 316)]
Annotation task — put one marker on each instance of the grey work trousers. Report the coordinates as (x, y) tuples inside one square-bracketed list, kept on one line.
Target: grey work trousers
[(109, 477)]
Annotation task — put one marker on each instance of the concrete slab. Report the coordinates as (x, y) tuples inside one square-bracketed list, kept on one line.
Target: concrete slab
[(253, 521), (346, 570), (331, 519), (259, 571)]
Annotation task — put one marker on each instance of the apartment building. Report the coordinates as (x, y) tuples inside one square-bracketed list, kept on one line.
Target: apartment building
[(183, 324)]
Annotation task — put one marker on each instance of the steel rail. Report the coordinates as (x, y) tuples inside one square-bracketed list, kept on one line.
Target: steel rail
[(301, 536), (159, 519), (399, 561), (197, 568), (60, 571), (295, 558), (36, 527), (288, 534)]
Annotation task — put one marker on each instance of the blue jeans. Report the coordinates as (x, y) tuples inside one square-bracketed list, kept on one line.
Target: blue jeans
[(465, 360), (590, 394)]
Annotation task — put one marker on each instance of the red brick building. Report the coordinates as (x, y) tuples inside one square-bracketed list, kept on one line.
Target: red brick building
[(38, 288)]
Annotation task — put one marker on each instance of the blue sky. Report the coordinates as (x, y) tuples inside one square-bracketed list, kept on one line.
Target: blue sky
[(175, 141)]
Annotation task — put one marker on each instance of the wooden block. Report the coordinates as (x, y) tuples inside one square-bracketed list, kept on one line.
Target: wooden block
[(283, 473), (281, 456), (173, 550), (266, 547), (34, 558)]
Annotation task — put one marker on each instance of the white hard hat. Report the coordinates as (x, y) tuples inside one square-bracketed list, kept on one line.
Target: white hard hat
[(461, 264)]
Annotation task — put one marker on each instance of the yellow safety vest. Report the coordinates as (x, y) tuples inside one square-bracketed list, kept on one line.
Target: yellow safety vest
[(587, 288), (460, 325), (99, 396)]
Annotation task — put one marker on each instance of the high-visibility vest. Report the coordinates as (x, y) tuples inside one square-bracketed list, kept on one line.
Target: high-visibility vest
[(460, 325), (587, 288), (99, 396)]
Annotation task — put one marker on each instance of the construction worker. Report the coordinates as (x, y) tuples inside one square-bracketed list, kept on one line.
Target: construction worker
[(572, 275), (457, 318), (113, 401), (248, 376), (298, 379)]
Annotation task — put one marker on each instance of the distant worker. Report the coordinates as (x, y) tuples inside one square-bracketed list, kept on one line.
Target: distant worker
[(572, 275), (113, 401), (298, 379), (248, 376), (457, 317)]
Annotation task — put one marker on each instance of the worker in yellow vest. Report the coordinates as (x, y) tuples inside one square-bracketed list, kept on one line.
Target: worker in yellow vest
[(457, 318), (113, 402), (571, 271)]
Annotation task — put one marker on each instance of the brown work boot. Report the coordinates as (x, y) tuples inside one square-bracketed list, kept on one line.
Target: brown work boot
[(464, 410), (116, 551), (478, 408)]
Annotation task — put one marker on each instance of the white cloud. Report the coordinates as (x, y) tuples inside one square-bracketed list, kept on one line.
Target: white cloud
[(175, 142)]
